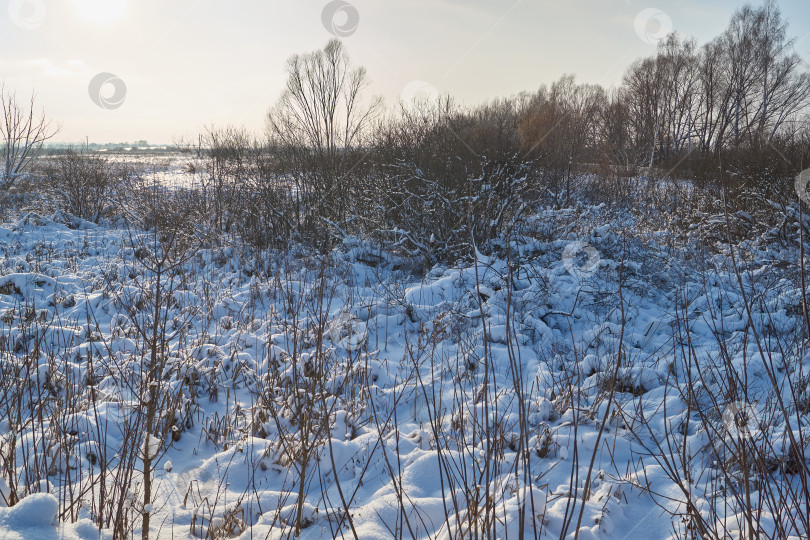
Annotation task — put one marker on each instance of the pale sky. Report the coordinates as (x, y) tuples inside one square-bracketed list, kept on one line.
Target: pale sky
[(191, 63)]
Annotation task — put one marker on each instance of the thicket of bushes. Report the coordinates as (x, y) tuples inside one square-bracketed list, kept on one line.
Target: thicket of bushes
[(435, 177)]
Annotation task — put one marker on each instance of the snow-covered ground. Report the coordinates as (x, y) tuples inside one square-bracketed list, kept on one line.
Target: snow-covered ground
[(344, 395)]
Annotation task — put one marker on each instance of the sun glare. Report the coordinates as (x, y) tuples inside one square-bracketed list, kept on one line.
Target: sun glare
[(101, 11)]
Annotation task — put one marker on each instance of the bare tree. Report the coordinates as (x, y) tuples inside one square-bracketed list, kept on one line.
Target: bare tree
[(752, 81), (740, 92), (558, 128), (318, 122), (22, 134)]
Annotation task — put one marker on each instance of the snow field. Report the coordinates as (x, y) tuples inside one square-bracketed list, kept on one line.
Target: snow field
[(477, 400)]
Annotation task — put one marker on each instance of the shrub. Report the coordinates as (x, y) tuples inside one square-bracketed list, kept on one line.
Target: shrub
[(81, 184)]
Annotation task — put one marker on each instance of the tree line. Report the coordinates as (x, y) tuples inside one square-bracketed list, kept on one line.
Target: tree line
[(434, 178)]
